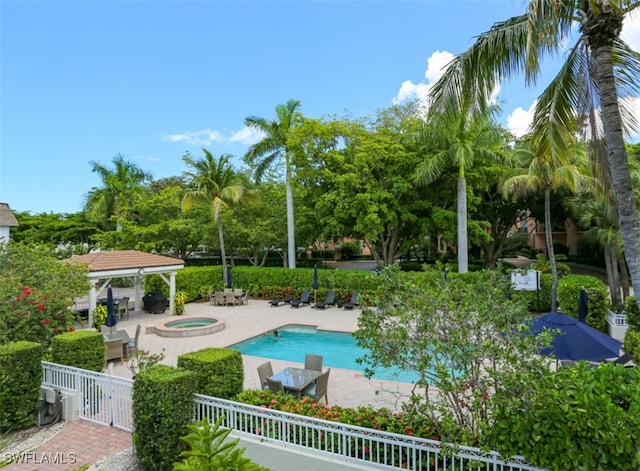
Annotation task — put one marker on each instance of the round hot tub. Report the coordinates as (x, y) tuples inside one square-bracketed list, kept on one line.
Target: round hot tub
[(189, 327)]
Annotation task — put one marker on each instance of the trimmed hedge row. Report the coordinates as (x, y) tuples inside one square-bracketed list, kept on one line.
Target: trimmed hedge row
[(20, 379), (82, 349), (219, 370), (569, 287)]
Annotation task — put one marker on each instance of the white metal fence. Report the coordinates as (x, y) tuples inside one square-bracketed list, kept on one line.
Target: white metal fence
[(106, 399)]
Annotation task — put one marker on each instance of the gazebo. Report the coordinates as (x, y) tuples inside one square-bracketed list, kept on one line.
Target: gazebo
[(103, 266)]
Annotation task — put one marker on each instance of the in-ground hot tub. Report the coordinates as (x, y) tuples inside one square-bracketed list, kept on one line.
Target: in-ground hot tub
[(189, 327)]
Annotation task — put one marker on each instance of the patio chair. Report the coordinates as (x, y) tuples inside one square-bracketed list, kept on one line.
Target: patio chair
[(303, 299), (218, 298), (211, 297), (123, 308), (264, 371), (313, 362), (241, 296), (114, 350), (330, 300), (133, 343), (229, 298), (275, 386), (318, 390), (352, 302)]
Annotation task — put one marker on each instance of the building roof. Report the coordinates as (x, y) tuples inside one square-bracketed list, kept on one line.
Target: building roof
[(123, 259), (7, 218)]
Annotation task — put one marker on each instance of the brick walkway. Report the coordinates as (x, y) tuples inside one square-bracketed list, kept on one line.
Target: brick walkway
[(77, 444)]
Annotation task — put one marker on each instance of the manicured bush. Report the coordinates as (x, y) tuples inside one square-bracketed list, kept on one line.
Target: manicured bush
[(632, 312), (82, 349), (575, 418), (20, 378), (162, 409), (219, 370), (632, 343), (569, 288)]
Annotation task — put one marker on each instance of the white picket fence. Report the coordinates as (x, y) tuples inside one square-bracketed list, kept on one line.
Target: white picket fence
[(107, 399)]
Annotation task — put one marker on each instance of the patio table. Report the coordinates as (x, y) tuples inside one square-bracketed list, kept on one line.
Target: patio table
[(296, 379)]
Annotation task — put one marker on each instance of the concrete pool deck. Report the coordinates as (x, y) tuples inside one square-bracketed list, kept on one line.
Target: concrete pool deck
[(347, 388)]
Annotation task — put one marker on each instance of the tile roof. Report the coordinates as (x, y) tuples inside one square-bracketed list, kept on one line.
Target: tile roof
[(7, 218), (123, 259)]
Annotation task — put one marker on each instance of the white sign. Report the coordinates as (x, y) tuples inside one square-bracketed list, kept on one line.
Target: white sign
[(526, 281)]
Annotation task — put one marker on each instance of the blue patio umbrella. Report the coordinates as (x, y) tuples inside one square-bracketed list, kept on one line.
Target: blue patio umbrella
[(583, 306), (576, 340), (316, 283), (229, 282), (111, 319)]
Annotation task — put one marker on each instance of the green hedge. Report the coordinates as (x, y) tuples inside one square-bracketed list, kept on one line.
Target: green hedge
[(632, 312), (20, 379), (569, 287), (82, 349), (162, 408), (219, 370), (632, 343)]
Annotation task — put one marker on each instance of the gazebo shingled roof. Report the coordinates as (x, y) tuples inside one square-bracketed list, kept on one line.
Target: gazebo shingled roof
[(123, 259)]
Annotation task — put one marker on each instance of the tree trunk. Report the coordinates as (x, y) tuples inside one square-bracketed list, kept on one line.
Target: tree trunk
[(463, 245), (550, 253), (617, 155), (223, 255), (291, 235)]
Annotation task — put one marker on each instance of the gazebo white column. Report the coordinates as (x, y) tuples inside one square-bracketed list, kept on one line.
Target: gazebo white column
[(172, 292), (93, 300)]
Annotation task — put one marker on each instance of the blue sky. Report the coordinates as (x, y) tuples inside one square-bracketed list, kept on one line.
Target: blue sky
[(83, 81)]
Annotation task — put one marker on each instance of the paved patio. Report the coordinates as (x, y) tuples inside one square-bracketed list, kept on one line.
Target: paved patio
[(347, 388)]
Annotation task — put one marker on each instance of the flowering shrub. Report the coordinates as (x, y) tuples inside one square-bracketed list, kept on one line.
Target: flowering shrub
[(100, 314), (180, 300), (142, 359)]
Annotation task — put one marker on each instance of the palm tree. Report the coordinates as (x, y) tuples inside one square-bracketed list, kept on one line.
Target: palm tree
[(587, 81), (541, 173), (275, 145), (215, 182), (121, 187), (464, 136)]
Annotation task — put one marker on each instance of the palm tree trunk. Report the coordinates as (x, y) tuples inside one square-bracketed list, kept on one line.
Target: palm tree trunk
[(616, 152), (550, 253), (223, 255), (291, 233), (463, 244)]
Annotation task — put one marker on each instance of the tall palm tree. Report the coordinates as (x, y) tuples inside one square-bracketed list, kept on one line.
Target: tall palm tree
[(542, 173), (276, 144), (462, 137), (600, 71), (121, 187), (214, 182)]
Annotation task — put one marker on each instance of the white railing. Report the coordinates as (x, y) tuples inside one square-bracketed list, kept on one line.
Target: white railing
[(101, 398), (350, 443), (107, 399), (617, 318)]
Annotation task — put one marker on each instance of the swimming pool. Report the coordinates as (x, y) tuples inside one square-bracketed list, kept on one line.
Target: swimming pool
[(339, 350)]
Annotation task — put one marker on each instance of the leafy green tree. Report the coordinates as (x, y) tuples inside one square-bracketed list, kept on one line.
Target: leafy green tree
[(600, 71), (36, 293), (122, 186), (546, 173), (461, 136), (215, 182), (274, 145), (464, 339)]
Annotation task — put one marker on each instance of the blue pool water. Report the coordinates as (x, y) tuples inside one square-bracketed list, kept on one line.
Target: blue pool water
[(339, 350)]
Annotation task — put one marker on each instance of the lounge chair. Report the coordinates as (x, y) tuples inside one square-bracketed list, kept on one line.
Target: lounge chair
[(318, 390), (352, 302), (330, 300), (264, 371), (303, 299), (624, 360), (277, 302), (313, 362)]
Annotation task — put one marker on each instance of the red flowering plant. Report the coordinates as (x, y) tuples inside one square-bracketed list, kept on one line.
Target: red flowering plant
[(36, 294)]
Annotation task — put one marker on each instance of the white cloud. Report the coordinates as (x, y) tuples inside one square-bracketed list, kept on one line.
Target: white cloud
[(203, 137), (436, 65), (631, 31), (246, 135), (519, 120)]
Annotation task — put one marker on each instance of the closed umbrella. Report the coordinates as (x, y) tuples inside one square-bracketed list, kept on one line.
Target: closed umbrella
[(316, 283), (111, 319), (576, 340), (583, 306), (229, 283)]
